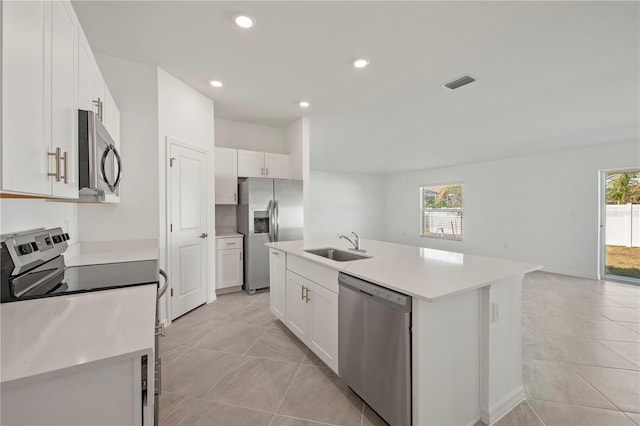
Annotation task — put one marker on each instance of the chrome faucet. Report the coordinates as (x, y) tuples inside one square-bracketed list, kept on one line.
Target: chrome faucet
[(355, 242)]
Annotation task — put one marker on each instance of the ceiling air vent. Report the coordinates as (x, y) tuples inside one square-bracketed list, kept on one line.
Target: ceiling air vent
[(463, 81)]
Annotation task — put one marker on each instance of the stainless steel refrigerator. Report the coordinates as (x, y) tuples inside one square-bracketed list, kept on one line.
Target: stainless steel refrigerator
[(268, 210)]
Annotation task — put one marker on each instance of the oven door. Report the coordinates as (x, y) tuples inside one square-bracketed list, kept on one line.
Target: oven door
[(100, 163)]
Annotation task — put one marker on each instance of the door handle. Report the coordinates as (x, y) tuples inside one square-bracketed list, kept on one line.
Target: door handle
[(204, 235), (57, 155), (65, 161), (307, 294)]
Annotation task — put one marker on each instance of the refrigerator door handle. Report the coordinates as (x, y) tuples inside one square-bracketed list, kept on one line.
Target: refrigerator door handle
[(271, 221), (277, 221)]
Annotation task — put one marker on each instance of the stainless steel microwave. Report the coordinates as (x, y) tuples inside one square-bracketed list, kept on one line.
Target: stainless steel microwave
[(99, 162)]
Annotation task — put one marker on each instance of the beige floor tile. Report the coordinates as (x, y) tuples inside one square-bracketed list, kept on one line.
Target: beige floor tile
[(522, 415), (279, 420), (237, 297), (635, 417), (254, 315), (558, 382), (195, 372), (608, 330), (179, 407), (278, 344), (215, 311), (628, 301), (317, 394), (168, 403), (630, 351), (371, 418), (231, 337), (549, 324), (208, 413), (622, 387), (556, 414), (187, 331), (312, 359), (631, 325), (254, 383), (573, 350), (619, 313), (169, 353)]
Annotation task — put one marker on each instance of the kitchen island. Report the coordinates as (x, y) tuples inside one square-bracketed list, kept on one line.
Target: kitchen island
[(465, 323)]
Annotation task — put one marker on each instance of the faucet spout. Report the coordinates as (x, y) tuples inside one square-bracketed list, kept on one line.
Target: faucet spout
[(355, 242)]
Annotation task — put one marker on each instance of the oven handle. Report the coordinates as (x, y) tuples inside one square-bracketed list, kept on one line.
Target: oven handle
[(113, 187), (163, 290)]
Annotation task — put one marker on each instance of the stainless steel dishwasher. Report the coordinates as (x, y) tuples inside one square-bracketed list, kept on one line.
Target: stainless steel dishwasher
[(374, 347)]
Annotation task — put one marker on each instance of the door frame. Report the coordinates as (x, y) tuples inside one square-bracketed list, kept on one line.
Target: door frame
[(210, 286), (602, 223)]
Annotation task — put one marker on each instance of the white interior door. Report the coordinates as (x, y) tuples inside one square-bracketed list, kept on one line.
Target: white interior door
[(188, 229)]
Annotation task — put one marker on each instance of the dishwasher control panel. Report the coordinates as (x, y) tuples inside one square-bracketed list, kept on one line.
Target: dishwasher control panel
[(375, 291)]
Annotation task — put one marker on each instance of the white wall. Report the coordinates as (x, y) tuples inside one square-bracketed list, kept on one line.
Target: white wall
[(293, 141), (17, 215), (252, 137), (540, 209), (185, 115), (342, 203), (134, 87)]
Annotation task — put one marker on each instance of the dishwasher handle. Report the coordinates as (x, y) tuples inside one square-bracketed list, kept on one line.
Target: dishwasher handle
[(393, 299)]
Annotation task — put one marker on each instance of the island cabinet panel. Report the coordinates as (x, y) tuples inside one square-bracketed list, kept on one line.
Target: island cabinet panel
[(312, 315), (297, 306), (278, 283), (323, 333)]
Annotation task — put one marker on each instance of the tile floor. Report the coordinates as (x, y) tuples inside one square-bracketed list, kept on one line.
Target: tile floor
[(231, 363)]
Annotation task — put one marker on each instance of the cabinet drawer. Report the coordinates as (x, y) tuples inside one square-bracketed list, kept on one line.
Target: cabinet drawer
[(229, 243), (322, 275)]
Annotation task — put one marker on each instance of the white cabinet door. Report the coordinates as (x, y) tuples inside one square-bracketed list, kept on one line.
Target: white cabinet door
[(64, 114), (226, 176), (111, 116), (276, 165), (86, 69), (250, 163), (297, 306), (278, 283), (323, 324), (25, 140), (229, 268)]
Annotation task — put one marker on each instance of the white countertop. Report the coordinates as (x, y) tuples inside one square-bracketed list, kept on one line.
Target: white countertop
[(48, 334), (228, 235), (417, 271), (98, 252)]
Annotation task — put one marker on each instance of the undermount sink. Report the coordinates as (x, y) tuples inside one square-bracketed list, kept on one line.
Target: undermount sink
[(337, 255)]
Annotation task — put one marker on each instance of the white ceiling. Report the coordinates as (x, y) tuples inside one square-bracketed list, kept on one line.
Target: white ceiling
[(550, 75)]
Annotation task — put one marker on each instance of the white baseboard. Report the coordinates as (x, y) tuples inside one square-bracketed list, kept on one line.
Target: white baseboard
[(503, 407)]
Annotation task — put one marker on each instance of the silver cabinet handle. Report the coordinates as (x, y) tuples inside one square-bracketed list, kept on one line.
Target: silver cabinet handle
[(65, 162), (235, 197), (275, 253), (262, 171), (100, 106), (160, 329), (204, 235), (302, 292), (267, 171), (57, 155)]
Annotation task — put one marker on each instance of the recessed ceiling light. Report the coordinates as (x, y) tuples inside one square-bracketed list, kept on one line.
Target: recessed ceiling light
[(215, 83), (243, 21), (360, 63), (304, 104)]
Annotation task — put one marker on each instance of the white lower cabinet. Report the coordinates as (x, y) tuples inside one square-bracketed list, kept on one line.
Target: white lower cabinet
[(229, 263), (108, 392), (278, 283), (312, 315)]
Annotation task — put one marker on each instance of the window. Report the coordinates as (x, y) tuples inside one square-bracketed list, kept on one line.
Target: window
[(441, 211)]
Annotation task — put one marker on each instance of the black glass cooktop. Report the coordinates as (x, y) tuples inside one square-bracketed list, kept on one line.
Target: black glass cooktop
[(79, 279)]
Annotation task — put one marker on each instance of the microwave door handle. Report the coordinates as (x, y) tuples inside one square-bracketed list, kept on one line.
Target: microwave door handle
[(119, 162), (111, 186)]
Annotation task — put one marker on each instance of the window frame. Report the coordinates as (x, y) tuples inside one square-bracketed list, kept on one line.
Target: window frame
[(423, 210)]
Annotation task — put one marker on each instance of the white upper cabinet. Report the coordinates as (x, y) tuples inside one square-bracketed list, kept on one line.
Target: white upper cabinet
[(250, 163), (261, 164), (276, 165), (24, 140), (111, 117), (39, 116), (226, 176), (64, 113), (48, 73)]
